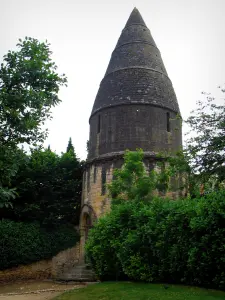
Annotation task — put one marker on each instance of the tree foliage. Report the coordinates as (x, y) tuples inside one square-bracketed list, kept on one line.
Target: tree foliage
[(132, 181), (29, 86), (49, 189), (206, 145), (70, 146)]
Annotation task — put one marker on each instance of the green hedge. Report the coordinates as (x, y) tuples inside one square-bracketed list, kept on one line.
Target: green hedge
[(179, 241), (24, 243)]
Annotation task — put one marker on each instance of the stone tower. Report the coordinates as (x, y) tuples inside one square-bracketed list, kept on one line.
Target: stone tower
[(133, 109)]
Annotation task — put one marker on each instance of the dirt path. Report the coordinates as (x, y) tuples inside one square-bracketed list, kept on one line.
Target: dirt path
[(40, 296), (33, 290)]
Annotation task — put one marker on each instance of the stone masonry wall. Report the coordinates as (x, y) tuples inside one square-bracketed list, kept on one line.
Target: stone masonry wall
[(45, 269), (92, 188), (96, 197)]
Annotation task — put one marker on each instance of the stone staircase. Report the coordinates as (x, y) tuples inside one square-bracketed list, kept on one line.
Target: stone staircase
[(79, 273)]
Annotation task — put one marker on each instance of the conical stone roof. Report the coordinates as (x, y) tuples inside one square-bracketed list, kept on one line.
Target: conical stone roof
[(136, 73)]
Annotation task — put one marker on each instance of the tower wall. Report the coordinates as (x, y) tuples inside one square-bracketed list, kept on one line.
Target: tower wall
[(92, 190), (100, 173), (134, 126)]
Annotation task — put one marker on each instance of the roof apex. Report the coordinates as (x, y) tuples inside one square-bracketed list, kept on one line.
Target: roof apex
[(135, 18)]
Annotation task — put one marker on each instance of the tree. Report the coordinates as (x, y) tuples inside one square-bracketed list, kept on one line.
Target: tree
[(206, 147), (9, 163), (70, 146), (177, 174), (132, 182), (29, 86), (49, 188)]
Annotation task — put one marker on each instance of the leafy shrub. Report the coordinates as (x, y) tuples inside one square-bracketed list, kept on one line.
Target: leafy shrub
[(24, 243), (103, 241), (179, 241)]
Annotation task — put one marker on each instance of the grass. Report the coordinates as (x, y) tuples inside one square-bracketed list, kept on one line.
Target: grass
[(140, 291)]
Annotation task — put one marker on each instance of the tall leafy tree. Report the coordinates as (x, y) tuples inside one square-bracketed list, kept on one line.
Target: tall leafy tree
[(206, 145), (29, 86)]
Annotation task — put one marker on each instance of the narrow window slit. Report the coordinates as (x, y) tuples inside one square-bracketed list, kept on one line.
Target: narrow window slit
[(168, 121), (99, 123), (95, 173), (103, 180)]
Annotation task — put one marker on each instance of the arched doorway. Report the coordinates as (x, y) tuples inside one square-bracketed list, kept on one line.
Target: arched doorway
[(86, 222)]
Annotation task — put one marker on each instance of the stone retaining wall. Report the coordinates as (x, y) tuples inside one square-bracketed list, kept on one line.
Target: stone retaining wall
[(44, 269)]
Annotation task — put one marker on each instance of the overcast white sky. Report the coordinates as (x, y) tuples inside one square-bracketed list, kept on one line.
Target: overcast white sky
[(189, 33)]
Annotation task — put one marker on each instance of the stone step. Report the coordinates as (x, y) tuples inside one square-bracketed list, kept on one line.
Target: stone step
[(77, 279), (78, 273), (81, 274), (82, 267), (79, 270)]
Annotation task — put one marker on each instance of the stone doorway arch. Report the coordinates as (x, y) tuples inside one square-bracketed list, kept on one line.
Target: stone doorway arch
[(87, 219), (86, 225)]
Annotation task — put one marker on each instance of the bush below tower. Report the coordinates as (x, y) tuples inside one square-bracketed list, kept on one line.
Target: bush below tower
[(179, 241)]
